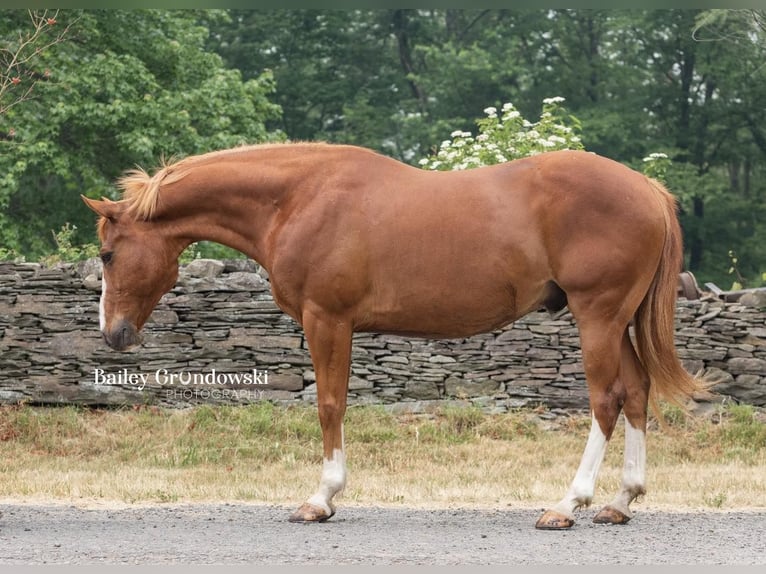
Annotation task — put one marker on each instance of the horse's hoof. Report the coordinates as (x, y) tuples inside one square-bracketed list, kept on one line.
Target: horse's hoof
[(553, 520), (310, 513), (610, 515)]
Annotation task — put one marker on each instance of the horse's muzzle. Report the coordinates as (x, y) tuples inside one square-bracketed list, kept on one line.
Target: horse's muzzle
[(122, 336)]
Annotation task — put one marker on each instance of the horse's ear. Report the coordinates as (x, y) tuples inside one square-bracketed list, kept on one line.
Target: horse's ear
[(104, 208)]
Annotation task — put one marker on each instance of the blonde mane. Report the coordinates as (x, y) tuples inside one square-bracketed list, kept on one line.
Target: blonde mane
[(141, 191)]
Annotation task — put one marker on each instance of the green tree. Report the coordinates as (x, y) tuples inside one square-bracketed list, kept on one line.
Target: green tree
[(688, 83), (705, 107), (337, 73), (117, 99)]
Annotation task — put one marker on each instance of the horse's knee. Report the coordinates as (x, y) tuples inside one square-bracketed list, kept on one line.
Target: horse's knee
[(606, 408), (330, 410)]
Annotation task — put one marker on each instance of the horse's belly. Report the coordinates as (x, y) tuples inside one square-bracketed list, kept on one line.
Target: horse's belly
[(441, 312)]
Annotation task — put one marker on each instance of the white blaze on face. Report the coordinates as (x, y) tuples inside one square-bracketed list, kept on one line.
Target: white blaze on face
[(101, 312)]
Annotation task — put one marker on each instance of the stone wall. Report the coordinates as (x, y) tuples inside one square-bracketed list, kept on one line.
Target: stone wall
[(218, 337)]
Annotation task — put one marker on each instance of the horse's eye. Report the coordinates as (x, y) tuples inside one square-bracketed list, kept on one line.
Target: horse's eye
[(106, 257)]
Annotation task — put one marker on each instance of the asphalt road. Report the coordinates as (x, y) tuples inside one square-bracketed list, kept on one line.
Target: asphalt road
[(252, 534)]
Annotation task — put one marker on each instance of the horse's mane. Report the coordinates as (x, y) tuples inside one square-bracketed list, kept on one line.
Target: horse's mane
[(141, 191)]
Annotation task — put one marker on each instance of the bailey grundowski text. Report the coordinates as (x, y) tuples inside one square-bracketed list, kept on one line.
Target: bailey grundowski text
[(164, 377)]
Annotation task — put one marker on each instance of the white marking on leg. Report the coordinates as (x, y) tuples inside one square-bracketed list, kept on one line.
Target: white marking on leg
[(333, 480), (584, 484), (101, 312), (635, 456), (634, 471)]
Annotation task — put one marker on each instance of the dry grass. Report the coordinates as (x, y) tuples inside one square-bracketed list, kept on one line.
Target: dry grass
[(456, 457)]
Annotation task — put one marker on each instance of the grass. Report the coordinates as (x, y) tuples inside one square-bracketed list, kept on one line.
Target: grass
[(455, 457)]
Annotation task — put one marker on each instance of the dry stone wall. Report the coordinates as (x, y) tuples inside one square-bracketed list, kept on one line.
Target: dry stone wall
[(218, 337)]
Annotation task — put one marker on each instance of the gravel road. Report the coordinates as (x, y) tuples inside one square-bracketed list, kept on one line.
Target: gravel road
[(253, 534)]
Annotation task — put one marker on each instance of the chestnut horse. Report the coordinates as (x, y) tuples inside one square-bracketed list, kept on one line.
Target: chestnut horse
[(355, 241)]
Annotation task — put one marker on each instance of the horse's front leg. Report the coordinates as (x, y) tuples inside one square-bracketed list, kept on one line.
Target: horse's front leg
[(329, 342)]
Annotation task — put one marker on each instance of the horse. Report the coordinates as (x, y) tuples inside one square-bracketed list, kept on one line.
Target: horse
[(354, 241)]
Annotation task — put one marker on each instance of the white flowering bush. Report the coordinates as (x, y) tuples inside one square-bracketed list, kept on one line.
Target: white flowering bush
[(505, 135), (656, 165)]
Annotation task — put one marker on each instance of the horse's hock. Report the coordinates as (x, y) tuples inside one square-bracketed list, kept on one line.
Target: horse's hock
[(218, 337)]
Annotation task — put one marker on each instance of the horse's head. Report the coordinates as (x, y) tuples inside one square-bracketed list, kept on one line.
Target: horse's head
[(140, 266)]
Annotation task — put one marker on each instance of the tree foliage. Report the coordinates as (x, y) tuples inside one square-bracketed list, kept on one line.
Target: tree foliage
[(686, 83), (113, 100)]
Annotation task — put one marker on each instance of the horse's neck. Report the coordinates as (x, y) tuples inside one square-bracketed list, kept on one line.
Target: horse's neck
[(235, 202)]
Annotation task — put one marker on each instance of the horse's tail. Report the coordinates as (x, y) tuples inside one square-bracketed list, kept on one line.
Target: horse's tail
[(655, 319)]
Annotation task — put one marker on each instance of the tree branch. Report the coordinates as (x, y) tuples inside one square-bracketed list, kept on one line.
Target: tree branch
[(17, 79)]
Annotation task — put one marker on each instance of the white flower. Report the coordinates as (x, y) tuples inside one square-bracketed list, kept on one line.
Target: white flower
[(512, 115), (656, 156), (491, 111), (446, 143), (456, 134), (554, 100), (482, 137), (424, 161), (507, 107)]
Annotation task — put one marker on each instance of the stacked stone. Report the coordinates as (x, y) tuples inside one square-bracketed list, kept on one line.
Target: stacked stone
[(221, 317), (725, 343)]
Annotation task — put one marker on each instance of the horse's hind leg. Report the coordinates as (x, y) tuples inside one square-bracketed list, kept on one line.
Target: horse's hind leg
[(600, 339), (636, 382)]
